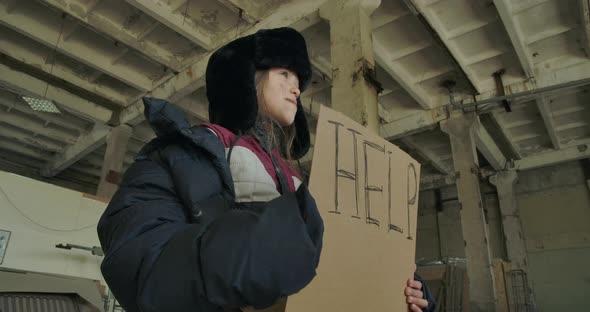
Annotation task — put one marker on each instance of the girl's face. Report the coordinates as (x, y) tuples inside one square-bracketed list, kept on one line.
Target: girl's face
[(277, 95)]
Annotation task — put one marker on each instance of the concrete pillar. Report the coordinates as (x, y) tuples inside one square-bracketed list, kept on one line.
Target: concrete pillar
[(352, 59), (461, 129), (113, 161), (505, 182)]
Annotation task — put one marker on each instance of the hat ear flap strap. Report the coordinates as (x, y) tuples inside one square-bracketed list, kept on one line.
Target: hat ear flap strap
[(231, 147), (280, 175)]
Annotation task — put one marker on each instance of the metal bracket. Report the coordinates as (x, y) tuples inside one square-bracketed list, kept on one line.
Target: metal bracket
[(370, 76), (500, 88), (449, 85)]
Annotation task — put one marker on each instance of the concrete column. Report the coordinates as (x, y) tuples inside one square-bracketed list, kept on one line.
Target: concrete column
[(352, 59), (113, 161), (505, 182), (461, 131)]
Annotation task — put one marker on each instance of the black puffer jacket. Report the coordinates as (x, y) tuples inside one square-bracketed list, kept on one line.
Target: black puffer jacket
[(173, 240)]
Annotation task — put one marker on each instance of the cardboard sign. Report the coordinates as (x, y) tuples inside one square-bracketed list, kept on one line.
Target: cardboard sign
[(367, 192)]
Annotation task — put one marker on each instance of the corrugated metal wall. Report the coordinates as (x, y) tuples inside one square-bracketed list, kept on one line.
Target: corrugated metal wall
[(36, 302)]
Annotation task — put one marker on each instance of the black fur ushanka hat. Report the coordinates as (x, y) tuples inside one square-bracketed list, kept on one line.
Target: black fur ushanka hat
[(231, 89)]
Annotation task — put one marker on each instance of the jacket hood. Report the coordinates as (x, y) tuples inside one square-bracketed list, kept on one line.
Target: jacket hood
[(230, 79), (170, 123)]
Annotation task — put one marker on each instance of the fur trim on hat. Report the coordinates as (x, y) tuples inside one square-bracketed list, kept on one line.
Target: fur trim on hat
[(230, 84)]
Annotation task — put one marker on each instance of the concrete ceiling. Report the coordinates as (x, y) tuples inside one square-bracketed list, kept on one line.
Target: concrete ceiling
[(96, 58)]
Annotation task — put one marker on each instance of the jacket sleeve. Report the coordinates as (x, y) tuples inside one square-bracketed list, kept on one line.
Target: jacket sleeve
[(156, 261), (427, 294), (265, 256)]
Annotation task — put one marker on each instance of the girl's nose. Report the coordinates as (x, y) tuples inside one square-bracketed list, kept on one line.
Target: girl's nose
[(295, 91)]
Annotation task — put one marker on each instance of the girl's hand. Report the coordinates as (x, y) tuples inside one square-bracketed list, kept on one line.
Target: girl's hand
[(414, 296)]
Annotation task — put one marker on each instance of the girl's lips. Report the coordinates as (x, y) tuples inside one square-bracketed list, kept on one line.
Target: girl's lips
[(292, 101)]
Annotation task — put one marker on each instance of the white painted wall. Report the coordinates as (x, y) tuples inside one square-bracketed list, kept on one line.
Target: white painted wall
[(40, 216)]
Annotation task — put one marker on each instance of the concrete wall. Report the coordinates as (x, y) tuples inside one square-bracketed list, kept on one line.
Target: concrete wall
[(40, 216), (554, 204), (446, 220)]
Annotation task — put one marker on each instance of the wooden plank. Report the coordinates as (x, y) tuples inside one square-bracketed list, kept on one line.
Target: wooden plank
[(501, 291)]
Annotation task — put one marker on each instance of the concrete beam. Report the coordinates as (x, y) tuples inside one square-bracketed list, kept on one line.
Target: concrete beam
[(93, 77), (554, 157), (307, 21), (11, 102), (10, 46), (48, 35), (534, 161), (322, 67), (414, 123), (500, 135), (90, 6), (85, 145), (33, 87), (25, 150), (559, 76), (29, 125), (312, 105), (11, 5), (195, 106), (118, 33), (585, 24), (427, 155), (461, 130), (487, 146), (25, 138), (436, 182), (431, 17), (543, 105), (161, 12), (551, 32), (504, 8), (28, 168), (95, 173), (97, 160), (111, 172), (252, 11), (143, 133), (401, 76), (147, 31)]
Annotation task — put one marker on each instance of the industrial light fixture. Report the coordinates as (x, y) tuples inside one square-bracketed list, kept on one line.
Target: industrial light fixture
[(41, 105)]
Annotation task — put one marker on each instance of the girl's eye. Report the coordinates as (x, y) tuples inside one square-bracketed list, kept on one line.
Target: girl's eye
[(286, 74)]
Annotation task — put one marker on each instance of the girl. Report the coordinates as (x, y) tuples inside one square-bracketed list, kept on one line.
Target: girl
[(214, 217)]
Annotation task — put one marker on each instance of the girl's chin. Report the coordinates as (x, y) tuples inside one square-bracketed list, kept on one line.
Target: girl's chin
[(287, 122)]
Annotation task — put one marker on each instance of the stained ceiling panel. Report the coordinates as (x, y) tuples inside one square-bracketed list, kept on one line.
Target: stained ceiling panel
[(116, 52)]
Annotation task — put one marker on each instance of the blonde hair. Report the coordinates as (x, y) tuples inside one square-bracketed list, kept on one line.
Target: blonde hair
[(279, 137)]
